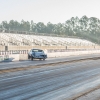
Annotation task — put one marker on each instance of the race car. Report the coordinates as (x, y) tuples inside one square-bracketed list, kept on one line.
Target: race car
[(37, 54)]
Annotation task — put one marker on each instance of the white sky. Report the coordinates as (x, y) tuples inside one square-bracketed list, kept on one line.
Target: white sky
[(53, 11)]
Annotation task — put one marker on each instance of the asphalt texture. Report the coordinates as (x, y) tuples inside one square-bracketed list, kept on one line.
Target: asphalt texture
[(7, 65), (60, 82)]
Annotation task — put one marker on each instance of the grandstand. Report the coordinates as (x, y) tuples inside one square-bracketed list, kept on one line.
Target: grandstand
[(28, 41)]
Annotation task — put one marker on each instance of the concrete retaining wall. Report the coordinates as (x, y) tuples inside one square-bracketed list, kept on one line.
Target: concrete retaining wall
[(65, 54), (62, 54), (7, 58), (17, 57), (23, 57)]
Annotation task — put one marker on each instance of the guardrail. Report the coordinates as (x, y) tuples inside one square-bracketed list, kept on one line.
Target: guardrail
[(12, 55), (48, 51), (13, 52), (16, 55)]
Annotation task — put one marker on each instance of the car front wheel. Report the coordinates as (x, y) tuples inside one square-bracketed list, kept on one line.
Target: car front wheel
[(43, 58), (31, 58)]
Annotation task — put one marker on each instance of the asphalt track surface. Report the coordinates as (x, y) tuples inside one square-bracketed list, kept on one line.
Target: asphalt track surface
[(60, 82), (7, 65)]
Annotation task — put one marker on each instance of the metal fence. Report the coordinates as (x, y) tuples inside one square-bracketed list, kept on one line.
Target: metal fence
[(48, 51), (13, 52)]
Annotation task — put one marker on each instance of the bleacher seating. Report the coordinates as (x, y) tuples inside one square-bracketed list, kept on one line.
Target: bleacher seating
[(33, 40)]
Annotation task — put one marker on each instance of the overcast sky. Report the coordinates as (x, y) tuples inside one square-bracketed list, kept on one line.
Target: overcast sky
[(53, 11)]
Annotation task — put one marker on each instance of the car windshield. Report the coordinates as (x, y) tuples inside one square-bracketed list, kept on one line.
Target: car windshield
[(37, 50)]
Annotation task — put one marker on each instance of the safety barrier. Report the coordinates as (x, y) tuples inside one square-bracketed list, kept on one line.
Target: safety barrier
[(12, 55), (48, 51), (13, 52), (16, 55)]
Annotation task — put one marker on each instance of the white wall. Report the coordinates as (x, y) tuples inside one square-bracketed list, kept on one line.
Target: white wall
[(65, 54), (17, 57)]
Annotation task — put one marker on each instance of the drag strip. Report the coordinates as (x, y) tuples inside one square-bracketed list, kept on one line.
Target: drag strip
[(59, 82), (21, 64)]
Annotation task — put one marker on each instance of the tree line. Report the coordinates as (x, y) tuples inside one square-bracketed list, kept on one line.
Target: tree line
[(88, 28)]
